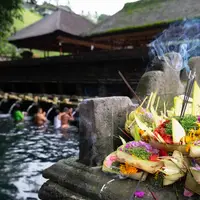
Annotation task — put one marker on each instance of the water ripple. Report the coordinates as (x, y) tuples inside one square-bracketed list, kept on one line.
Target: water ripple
[(24, 152)]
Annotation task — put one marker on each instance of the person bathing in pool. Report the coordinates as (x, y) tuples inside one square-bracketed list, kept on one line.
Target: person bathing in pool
[(18, 116), (57, 119), (40, 117), (66, 117)]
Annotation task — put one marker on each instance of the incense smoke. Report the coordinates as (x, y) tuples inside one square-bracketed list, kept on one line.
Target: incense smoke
[(182, 37)]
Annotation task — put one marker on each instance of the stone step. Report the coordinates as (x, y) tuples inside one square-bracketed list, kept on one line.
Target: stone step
[(70, 177), (78, 179), (52, 191)]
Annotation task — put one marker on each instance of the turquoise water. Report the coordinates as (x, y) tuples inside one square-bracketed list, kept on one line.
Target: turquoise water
[(24, 152)]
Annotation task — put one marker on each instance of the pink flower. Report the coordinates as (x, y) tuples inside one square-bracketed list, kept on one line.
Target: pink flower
[(110, 160), (113, 158), (139, 194)]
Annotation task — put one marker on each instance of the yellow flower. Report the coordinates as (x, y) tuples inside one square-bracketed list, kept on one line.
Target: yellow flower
[(198, 124), (187, 148), (127, 169), (198, 131), (188, 139), (141, 132)]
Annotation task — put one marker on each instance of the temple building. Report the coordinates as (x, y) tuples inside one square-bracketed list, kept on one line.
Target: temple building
[(96, 53)]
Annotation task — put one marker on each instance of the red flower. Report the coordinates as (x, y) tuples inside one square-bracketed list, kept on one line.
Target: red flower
[(161, 131), (153, 157), (163, 152), (167, 138)]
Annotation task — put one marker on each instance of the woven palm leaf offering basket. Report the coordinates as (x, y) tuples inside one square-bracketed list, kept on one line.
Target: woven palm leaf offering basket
[(165, 142)]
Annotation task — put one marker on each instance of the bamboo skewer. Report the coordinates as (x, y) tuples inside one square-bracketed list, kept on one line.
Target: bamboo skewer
[(129, 87)]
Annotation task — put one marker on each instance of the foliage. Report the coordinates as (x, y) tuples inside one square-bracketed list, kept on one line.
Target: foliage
[(140, 5), (102, 17), (188, 122), (139, 27), (28, 18), (7, 49), (9, 11), (139, 152)]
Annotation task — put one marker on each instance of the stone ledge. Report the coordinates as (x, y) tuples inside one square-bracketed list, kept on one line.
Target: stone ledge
[(68, 177), (52, 191)]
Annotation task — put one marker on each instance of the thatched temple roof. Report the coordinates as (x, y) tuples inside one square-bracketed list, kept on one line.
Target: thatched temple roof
[(43, 34), (135, 25), (146, 13), (60, 20)]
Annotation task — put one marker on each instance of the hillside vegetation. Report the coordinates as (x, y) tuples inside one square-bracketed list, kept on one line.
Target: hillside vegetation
[(29, 17)]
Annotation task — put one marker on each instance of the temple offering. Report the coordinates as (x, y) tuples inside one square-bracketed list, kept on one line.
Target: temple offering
[(164, 141)]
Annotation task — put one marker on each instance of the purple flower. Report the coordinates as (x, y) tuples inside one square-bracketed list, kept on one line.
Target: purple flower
[(142, 144), (198, 118), (139, 194), (197, 142), (188, 193)]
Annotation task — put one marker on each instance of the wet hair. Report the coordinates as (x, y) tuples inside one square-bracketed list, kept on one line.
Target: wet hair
[(38, 109), (66, 109), (17, 106)]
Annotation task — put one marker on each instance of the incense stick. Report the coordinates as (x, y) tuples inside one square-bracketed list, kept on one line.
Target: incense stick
[(136, 188), (152, 193), (188, 95), (188, 91), (125, 133), (125, 81)]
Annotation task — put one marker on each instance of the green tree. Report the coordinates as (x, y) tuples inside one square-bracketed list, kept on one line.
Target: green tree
[(9, 10)]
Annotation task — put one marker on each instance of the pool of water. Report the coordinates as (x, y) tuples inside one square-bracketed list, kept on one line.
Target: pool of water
[(24, 152)]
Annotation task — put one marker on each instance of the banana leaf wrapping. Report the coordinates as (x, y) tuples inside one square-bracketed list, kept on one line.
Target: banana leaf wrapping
[(191, 184), (169, 147), (196, 174), (146, 165), (195, 151), (175, 167), (108, 167)]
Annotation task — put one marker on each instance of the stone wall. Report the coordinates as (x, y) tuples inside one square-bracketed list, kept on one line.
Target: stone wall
[(164, 77), (74, 74), (99, 122)]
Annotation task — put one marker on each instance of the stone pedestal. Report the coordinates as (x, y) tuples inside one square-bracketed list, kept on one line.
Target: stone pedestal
[(70, 180), (99, 122)]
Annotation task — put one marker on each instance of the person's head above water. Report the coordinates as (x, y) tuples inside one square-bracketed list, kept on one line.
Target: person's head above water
[(66, 110), (17, 106), (40, 110)]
